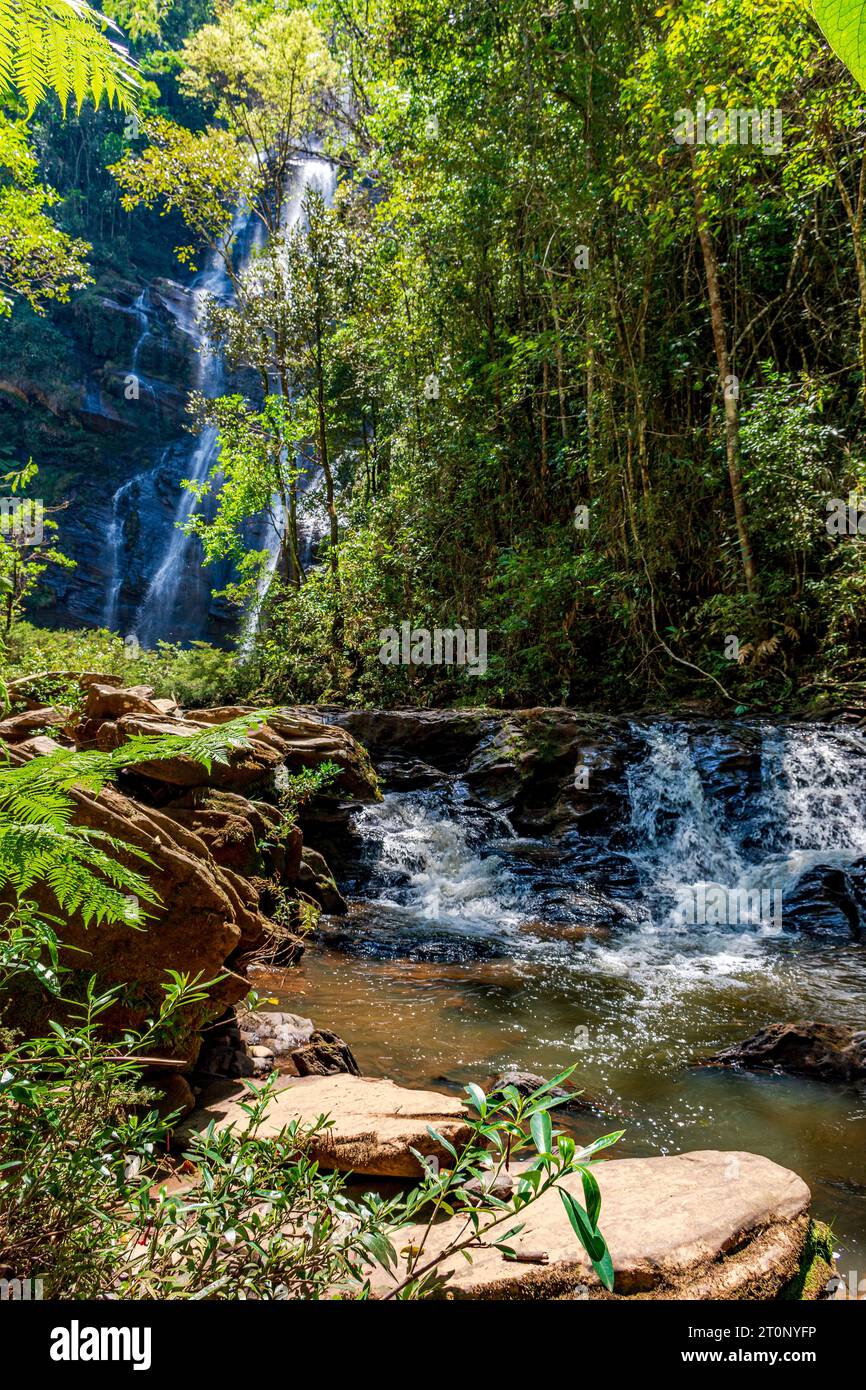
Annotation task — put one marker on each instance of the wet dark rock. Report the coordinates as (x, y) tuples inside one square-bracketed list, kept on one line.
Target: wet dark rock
[(828, 899), (410, 775), (326, 1054), (824, 1051), (316, 880), (527, 1083)]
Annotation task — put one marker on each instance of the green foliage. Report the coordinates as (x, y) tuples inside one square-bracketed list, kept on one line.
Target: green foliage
[(65, 47), (450, 253), (38, 261), (844, 24), (196, 677), (26, 551), (84, 1204)]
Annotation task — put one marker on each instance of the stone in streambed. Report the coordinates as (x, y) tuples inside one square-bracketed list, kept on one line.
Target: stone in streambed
[(316, 880), (281, 1032), (527, 1083), (376, 1123), (824, 1051), (704, 1225), (325, 1054)]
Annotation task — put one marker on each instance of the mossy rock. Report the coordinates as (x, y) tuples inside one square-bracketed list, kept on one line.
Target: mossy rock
[(816, 1266)]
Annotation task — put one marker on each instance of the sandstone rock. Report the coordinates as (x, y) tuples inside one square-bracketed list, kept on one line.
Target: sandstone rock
[(303, 742), (245, 766), (201, 922), (825, 1051), (17, 727), (176, 1094), (692, 1226), (109, 702), (250, 837), (376, 1123), (169, 707), (316, 880), (39, 746), (325, 1054)]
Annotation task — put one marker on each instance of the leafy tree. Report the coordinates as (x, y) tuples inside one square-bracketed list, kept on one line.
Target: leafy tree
[(26, 551)]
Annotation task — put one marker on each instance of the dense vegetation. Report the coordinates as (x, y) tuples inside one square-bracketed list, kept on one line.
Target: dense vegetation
[(566, 379)]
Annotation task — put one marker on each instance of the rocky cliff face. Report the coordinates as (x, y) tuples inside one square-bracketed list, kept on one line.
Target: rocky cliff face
[(96, 395)]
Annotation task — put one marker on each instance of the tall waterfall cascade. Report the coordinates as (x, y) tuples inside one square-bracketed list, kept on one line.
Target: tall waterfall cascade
[(177, 598)]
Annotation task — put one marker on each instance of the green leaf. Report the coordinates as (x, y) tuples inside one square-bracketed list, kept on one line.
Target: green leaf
[(592, 1240), (844, 26), (440, 1139), (477, 1096), (540, 1128), (592, 1196)]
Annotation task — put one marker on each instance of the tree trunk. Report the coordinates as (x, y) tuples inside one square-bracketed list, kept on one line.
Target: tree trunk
[(732, 404)]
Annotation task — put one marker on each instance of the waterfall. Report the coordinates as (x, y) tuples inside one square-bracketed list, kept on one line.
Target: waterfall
[(727, 846), (316, 174), (177, 594), (160, 615), (808, 811)]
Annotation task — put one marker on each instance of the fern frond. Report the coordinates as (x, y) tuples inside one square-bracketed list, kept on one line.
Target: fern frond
[(62, 46), (40, 844), (78, 865)]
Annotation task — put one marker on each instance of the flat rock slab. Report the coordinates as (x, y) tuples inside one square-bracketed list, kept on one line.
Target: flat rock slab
[(695, 1225), (376, 1123)]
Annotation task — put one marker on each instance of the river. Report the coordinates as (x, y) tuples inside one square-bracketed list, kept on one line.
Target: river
[(470, 947)]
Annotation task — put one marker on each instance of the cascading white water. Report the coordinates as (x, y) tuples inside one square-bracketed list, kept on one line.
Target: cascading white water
[(114, 537), (810, 811), (802, 805), (430, 871), (319, 175), (154, 617)]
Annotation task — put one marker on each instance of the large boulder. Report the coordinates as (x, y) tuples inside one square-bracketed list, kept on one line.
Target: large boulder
[(825, 1051), (704, 1225), (110, 702), (244, 767), (375, 1126), (304, 742), (201, 922)]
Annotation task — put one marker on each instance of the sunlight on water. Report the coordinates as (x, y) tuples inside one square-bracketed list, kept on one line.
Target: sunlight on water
[(476, 950)]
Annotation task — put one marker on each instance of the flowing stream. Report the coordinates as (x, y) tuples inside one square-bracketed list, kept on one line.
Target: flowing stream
[(475, 949)]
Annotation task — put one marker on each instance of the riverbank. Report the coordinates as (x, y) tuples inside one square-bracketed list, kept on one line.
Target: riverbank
[(510, 903)]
